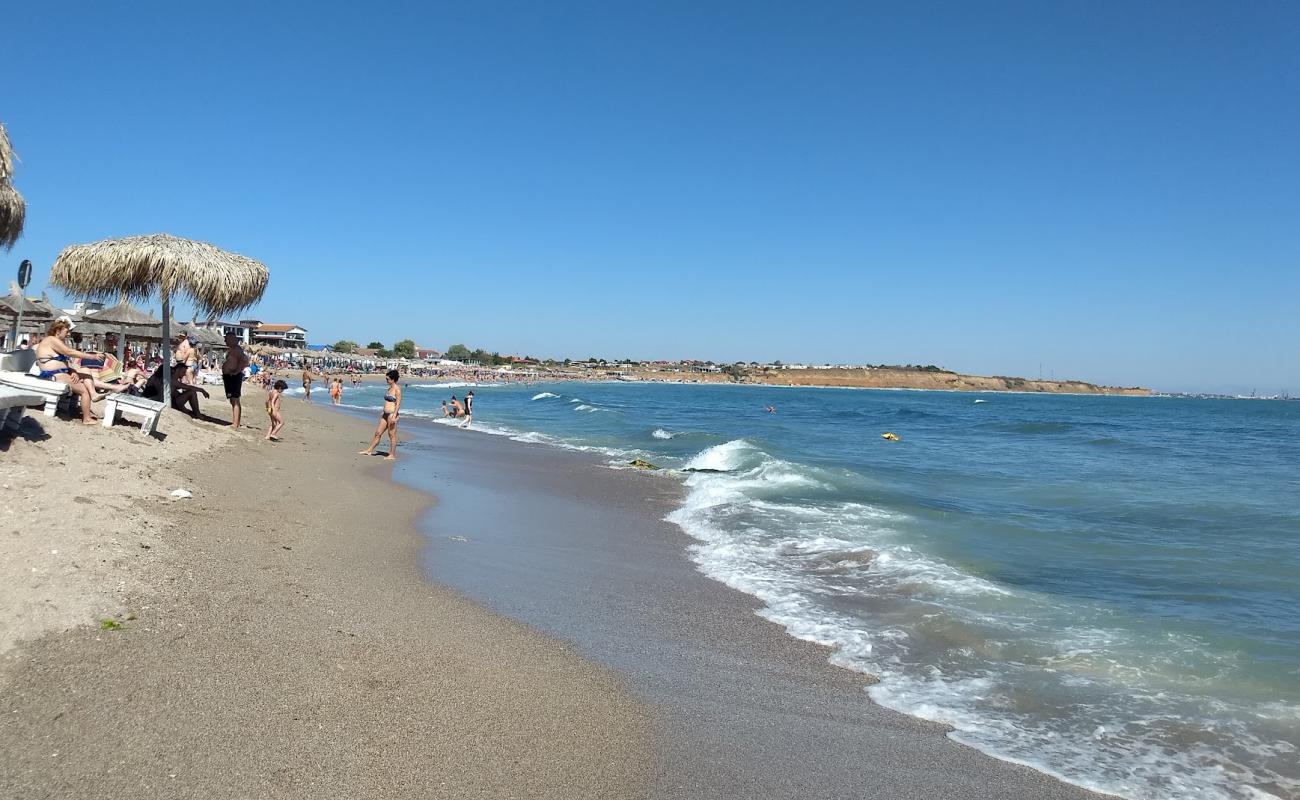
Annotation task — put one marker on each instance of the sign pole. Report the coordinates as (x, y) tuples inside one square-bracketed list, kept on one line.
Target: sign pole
[(24, 278)]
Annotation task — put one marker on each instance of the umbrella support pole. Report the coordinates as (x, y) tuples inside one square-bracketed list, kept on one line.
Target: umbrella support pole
[(166, 349)]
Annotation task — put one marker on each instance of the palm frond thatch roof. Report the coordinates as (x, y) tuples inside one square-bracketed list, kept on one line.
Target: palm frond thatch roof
[(6, 155), (13, 214), (123, 314), (31, 309), (206, 337), (13, 209), (216, 281)]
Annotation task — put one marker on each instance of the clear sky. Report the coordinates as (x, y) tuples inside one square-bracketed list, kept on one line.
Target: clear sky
[(1108, 189)]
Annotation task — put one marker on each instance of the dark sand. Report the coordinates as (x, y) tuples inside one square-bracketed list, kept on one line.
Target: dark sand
[(559, 541), (292, 648)]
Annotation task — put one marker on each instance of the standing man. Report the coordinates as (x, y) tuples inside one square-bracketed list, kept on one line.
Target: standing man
[(469, 410), (182, 354), (232, 376)]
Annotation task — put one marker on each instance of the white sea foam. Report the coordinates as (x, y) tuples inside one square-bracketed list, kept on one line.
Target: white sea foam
[(771, 529), (723, 457), (660, 433), (544, 395)]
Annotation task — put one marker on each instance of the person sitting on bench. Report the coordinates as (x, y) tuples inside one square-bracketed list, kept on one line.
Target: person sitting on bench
[(183, 394)]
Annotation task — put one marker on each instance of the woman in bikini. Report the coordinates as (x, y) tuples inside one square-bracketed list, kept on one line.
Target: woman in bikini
[(52, 354), (388, 419)]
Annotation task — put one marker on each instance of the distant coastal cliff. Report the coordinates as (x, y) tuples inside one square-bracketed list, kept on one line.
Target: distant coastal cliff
[(902, 378)]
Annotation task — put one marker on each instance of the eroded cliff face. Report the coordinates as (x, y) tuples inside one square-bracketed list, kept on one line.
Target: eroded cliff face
[(923, 379)]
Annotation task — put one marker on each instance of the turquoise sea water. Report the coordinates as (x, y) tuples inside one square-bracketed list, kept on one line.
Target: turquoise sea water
[(1107, 589)]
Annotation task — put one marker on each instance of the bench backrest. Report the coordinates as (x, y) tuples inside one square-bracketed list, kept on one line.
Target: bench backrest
[(18, 360)]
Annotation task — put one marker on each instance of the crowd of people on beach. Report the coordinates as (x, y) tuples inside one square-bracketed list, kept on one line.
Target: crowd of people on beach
[(93, 376)]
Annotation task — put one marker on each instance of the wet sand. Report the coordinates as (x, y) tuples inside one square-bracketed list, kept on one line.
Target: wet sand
[(284, 643), (580, 551)]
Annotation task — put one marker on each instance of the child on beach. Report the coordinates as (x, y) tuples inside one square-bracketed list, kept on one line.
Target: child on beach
[(273, 409)]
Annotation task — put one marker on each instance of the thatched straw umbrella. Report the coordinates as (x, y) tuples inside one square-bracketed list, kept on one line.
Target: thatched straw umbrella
[(123, 316), (31, 312), (216, 281), (13, 209)]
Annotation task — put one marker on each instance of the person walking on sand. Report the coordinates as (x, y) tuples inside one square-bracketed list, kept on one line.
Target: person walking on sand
[(306, 384), (232, 376), (469, 410), (273, 410), (388, 418)]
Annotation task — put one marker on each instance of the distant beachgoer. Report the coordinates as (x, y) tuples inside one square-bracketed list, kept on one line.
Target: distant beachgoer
[(469, 410), (306, 385), (192, 363), (336, 391), (446, 412), (186, 356), (457, 410), (771, 409), (273, 409), (232, 376), (388, 418)]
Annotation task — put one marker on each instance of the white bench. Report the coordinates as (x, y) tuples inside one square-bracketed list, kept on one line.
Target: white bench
[(128, 405), (49, 392), (13, 402)]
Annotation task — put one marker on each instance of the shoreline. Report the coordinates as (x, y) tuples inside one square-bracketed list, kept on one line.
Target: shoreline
[(558, 540), (284, 642)]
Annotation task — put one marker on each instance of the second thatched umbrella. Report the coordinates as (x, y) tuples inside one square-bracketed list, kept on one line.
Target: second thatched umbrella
[(217, 281), (13, 209), (123, 316)]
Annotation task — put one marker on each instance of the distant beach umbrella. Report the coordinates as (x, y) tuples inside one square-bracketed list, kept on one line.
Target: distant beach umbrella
[(32, 313), (125, 318), (125, 315), (217, 281), (15, 302), (13, 209)]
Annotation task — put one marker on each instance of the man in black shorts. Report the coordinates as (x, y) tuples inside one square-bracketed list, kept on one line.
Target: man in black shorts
[(232, 375)]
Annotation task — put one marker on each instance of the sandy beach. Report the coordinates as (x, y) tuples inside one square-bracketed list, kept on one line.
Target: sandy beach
[(277, 638), (280, 635)]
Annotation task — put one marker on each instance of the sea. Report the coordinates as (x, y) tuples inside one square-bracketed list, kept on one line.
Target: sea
[(1106, 589)]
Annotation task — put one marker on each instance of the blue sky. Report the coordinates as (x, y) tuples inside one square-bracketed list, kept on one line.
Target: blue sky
[(1109, 190)]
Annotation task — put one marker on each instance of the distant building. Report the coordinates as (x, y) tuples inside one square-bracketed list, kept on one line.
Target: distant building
[(278, 334), (240, 330), (427, 354)]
